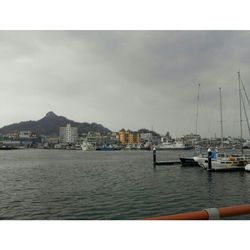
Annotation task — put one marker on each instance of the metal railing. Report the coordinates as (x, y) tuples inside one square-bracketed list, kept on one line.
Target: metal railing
[(208, 214)]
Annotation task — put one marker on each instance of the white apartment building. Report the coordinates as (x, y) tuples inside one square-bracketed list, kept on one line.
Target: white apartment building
[(68, 134)]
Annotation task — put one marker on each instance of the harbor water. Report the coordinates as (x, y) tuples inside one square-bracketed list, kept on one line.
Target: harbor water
[(60, 184)]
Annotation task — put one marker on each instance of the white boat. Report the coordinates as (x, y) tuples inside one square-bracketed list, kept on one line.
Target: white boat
[(224, 165), (221, 161), (246, 144), (191, 160), (86, 146), (172, 146), (247, 167), (224, 162), (128, 147), (232, 163)]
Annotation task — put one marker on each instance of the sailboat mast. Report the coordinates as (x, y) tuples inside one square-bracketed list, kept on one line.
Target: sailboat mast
[(244, 108), (221, 125), (243, 104), (240, 95), (197, 109)]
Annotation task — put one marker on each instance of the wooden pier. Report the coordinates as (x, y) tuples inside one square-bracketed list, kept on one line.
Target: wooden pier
[(157, 163)]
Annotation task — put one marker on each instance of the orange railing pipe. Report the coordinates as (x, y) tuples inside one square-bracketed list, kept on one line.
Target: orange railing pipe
[(198, 215), (234, 210), (206, 215)]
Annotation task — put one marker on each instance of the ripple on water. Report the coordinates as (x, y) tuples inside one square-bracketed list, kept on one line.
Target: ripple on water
[(58, 184)]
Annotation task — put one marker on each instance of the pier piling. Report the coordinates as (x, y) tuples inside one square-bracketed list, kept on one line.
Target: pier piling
[(154, 157), (209, 157)]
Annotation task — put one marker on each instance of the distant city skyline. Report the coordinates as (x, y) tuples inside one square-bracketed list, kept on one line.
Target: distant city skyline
[(126, 79)]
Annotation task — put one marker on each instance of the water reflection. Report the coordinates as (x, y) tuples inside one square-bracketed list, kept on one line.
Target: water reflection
[(210, 188)]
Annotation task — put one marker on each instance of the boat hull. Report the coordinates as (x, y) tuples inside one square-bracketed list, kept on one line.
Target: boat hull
[(223, 165), (247, 167), (7, 148), (174, 148), (189, 162)]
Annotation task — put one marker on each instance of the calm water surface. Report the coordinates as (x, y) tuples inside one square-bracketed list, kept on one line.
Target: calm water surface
[(60, 184)]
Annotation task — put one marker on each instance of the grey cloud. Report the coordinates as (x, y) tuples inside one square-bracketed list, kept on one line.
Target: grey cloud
[(130, 79)]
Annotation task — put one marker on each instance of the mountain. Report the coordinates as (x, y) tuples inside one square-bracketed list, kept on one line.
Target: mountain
[(49, 125)]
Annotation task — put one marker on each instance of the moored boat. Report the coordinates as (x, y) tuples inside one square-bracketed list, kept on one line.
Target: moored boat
[(247, 167), (106, 148), (172, 146), (223, 162), (191, 161), (86, 146), (7, 147)]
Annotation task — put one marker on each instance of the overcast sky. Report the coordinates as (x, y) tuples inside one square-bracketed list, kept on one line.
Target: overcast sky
[(126, 79)]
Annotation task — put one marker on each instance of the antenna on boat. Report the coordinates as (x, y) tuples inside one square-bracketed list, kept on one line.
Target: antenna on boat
[(240, 95), (221, 126), (197, 110)]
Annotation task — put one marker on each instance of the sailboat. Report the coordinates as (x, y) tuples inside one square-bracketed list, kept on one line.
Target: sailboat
[(246, 158), (223, 161), (193, 160)]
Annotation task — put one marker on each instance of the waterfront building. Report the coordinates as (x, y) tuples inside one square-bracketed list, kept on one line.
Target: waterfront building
[(11, 136), (146, 137), (25, 134), (122, 136), (192, 139), (168, 136), (95, 138), (111, 139), (149, 137), (133, 137), (128, 137), (52, 140), (68, 134)]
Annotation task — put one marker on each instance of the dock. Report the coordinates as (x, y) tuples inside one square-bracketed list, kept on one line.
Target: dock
[(176, 162), (157, 163)]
